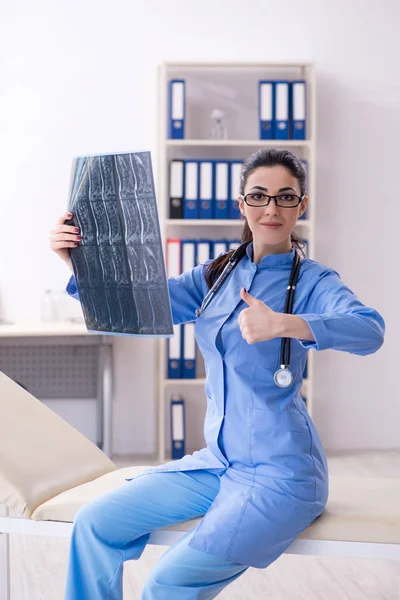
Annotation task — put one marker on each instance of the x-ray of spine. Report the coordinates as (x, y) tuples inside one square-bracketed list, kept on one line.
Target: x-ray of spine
[(119, 265)]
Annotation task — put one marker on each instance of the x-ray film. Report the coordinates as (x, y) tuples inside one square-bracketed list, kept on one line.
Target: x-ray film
[(119, 264)]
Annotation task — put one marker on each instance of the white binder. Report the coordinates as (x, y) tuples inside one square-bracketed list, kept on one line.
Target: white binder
[(203, 251), (234, 245), (188, 255), (219, 247)]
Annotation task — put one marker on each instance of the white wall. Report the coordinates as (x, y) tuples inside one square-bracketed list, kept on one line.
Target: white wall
[(80, 77)]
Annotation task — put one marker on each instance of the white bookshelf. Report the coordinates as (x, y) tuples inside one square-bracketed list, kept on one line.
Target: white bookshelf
[(238, 81)]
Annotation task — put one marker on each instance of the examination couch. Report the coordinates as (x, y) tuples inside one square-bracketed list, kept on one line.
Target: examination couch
[(48, 470)]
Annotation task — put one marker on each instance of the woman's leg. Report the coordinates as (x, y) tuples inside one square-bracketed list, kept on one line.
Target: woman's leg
[(184, 573), (117, 526)]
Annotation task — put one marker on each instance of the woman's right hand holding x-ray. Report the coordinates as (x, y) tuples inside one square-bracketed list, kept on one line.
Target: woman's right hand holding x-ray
[(63, 237)]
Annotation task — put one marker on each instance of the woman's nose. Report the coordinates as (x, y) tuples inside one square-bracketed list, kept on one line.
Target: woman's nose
[(272, 206)]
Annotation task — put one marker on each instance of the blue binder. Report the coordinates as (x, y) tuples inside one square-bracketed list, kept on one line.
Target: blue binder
[(281, 110), (298, 109), (205, 189), (175, 354), (177, 408), (191, 198), (189, 351), (176, 109), (221, 190), (235, 168), (265, 109)]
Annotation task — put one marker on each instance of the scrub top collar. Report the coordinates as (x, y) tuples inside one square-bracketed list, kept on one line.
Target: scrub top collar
[(272, 260)]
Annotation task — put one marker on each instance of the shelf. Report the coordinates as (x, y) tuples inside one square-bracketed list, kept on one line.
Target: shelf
[(221, 222), (236, 143)]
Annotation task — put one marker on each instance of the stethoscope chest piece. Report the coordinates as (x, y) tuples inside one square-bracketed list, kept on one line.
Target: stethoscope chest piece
[(283, 377)]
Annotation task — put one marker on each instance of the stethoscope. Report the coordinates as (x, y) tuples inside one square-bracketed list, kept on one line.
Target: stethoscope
[(283, 377)]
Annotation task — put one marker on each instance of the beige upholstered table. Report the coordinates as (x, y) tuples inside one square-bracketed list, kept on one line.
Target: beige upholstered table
[(48, 470)]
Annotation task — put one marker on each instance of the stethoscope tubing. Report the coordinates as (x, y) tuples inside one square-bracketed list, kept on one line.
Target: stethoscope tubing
[(289, 300), (285, 342), (233, 261)]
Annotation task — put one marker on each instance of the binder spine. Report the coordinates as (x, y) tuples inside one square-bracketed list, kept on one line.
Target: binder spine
[(176, 187), (174, 254), (298, 109), (177, 408), (205, 189), (189, 351), (174, 354), (221, 190), (191, 198), (281, 113), (265, 109), (188, 255), (176, 109), (219, 247), (203, 251)]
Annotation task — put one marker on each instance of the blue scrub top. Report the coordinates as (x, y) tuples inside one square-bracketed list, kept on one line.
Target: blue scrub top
[(259, 437)]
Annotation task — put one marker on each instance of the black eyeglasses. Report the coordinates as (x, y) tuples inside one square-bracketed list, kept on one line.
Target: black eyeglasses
[(282, 200)]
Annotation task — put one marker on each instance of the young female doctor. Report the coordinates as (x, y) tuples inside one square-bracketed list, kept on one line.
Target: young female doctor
[(263, 476)]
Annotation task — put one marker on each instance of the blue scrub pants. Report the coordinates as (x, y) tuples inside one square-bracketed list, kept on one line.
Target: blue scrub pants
[(116, 527)]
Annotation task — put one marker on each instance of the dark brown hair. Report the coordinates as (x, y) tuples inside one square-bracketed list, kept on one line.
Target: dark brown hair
[(266, 157)]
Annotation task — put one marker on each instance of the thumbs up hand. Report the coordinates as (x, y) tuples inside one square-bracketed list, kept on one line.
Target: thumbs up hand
[(258, 322)]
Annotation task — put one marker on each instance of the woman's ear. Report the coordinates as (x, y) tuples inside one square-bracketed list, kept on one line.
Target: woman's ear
[(241, 206), (303, 206)]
